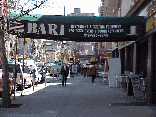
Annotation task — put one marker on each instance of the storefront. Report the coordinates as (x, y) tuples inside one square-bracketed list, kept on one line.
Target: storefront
[(104, 56), (142, 54), (140, 57), (122, 57)]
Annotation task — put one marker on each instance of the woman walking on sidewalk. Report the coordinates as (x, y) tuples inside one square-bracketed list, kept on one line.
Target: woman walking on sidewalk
[(64, 73), (84, 72)]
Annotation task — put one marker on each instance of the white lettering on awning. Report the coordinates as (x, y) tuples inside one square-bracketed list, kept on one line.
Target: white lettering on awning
[(62, 30), (34, 28), (52, 29), (42, 28)]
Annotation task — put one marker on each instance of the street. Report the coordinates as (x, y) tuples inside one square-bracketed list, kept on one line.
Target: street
[(80, 98)]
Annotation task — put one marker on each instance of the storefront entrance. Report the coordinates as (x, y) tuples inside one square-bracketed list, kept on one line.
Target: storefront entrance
[(154, 69)]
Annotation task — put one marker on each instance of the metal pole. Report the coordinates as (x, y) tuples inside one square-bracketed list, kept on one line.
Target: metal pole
[(57, 72), (45, 76), (53, 75), (120, 12), (14, 82), (64, 10), (33, 78), (23, 65), (15, 63)]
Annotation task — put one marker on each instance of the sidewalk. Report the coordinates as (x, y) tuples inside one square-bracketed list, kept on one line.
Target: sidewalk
[(80, 98)]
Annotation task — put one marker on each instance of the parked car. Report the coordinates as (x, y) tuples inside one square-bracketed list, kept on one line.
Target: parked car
[(11, 84), (48, 66), (19, 74), (38, 76), (27, 77)]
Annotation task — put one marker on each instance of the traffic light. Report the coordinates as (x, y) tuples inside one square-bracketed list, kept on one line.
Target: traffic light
[(25, 41)]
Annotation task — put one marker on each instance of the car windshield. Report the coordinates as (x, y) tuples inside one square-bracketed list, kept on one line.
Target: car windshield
[(38, 69), (26, 69), (39, 66), (12, 66)]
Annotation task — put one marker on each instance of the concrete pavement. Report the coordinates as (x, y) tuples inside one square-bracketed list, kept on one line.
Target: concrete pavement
[(80, 98)]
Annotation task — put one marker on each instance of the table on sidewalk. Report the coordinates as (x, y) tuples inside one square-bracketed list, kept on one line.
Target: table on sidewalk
[(135, 79), (104, 76)]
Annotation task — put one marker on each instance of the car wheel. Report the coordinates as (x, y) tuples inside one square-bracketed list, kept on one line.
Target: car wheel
[(36, 83), (12, 91), (29, 86)]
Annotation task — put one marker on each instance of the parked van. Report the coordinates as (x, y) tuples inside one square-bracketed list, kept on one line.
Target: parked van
[(19, 73), (11, 84), (27, 77)]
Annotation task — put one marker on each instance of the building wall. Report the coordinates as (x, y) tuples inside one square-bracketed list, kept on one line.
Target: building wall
[(77, 12), (50, 45), (50, 48), (110, 7), (144, 55), (50, 56), (125, 6)]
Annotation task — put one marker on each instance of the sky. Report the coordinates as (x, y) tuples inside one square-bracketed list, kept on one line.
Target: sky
[(56, 7)]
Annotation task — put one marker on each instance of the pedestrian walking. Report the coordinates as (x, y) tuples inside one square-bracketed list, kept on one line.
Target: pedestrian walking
[(84, 72), (93, 73), (64, 73)]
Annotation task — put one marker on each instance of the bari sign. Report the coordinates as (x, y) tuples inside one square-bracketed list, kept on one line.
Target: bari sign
[(86, 28)]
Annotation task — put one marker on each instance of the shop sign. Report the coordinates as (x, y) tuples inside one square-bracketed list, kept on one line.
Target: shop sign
[(86, 28), (84, 31), (151, 23), (77, 56), (105, 55), (151, 8)]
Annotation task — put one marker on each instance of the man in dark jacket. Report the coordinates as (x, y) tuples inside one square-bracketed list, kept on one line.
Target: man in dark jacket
[(93, 73), (64, 73)]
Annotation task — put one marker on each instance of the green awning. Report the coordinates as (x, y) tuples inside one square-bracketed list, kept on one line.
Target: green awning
[(30, 17)]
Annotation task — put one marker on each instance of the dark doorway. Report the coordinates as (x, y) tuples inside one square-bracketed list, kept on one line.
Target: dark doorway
[(122, 54), (143, 54), (130, 58), (154, 69)]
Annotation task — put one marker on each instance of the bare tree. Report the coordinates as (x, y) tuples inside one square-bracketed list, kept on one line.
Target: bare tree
[(6, 101)]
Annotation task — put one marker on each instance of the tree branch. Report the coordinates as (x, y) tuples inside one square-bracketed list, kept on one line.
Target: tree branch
[(27, 12)]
